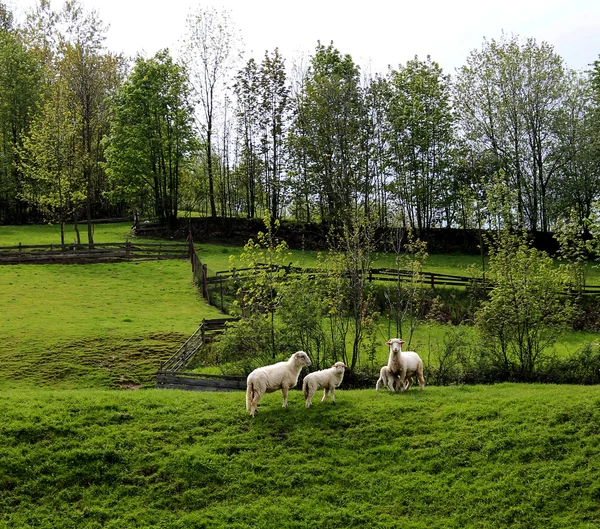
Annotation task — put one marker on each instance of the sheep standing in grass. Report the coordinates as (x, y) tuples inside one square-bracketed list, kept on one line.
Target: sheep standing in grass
[(282, 375), (327, 380), (387, 379), (404, 365)]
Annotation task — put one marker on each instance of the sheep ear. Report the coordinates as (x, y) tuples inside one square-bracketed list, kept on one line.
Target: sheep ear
[(389, 342)]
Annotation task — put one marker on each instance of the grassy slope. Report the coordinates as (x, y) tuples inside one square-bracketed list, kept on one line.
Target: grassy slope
[(455, 457), (100, 325)]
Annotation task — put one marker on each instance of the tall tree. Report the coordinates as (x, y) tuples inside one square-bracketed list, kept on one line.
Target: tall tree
[(211, 52), (420, 140), (51, 163), (152, 136), (91, 75), (577, 187), (508, 97), (325, 134), (274, 102), (248, 122), (21, 78)]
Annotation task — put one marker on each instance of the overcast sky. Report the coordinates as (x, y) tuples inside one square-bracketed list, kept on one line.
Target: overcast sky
[(376, 33)]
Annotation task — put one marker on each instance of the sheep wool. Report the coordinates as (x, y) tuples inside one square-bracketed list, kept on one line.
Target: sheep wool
[(267, 379), (327, 380)]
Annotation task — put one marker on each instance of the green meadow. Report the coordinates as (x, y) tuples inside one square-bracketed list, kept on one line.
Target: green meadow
[(502, 456), (87, 442)]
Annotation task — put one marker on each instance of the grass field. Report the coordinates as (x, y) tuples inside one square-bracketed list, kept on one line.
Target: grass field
[(77, 453), (110, 325), (100, 325), (504, 456)]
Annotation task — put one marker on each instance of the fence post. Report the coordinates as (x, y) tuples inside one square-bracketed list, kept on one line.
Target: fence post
[(221, 286), (204, 282)]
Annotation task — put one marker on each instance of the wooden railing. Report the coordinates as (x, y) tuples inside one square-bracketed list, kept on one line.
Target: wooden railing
[(77, 253), (430, 279), (170, 375)]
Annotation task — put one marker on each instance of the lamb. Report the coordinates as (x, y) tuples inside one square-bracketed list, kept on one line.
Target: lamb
[(387, 379), (405, 365), (282, 375), (327, 380)]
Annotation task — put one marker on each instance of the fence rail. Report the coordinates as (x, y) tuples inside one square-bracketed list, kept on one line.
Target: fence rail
[(171, 376), (76, 253), (199, 382), (429, 279)]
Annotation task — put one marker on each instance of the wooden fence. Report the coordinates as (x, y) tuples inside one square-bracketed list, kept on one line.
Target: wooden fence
[(170, 375), (97, 252), (427, 279)]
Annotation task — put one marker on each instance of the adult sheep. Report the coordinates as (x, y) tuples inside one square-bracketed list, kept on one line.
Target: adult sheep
[(282, 375), (404, 365), (326, 379)]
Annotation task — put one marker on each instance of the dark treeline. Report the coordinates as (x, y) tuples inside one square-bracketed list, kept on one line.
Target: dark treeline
[(512, 138)]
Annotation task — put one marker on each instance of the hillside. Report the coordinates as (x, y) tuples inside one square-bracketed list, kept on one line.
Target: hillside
[(456, 457)]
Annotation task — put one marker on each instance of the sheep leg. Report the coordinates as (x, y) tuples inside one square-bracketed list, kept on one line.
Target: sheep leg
[(408, 383), (253, 396), (332, 395), (402, 379), (308, 396), (420, 378), (325, 392), (284, 390)]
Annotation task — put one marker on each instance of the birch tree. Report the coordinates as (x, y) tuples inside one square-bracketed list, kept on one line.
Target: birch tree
[(210, 52)]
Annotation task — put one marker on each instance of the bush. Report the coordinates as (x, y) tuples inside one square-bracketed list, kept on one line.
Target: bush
[(583, 367), (246, 345)]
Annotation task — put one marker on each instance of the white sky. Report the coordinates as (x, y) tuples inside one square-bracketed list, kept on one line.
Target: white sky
[(376, 33)]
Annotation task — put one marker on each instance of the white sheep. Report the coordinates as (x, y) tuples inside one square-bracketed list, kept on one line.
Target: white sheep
[(387, 379), (327, 380), (282, 375), (405, 365)]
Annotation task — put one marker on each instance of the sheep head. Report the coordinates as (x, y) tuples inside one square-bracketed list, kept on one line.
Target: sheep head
[(395, 345), (339, 367), (301, 358)]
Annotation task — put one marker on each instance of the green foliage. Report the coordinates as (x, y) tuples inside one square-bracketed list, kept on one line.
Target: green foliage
[(402, 301), (54, 177), (325, 138), (526, 309), (20, 91), (152, 138), (421, 136), (302, 315), (258, 289), (508, 98), (488, 457), (266, 257), (245, 345)]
